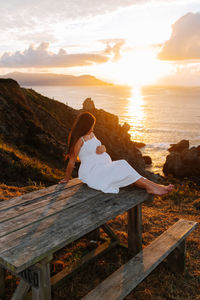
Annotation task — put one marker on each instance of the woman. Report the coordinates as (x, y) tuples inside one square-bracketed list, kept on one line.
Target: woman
[(97, 169)]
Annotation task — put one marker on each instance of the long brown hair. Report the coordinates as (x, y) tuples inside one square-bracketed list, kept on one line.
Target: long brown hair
[(80, 127)]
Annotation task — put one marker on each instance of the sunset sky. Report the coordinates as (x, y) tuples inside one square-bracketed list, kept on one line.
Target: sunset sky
[(121, 41)]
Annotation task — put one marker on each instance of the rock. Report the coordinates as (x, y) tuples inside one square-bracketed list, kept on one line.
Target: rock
[(139, 144), (173, 165), (126, 127), (147, 159), (190, 155), (179, 147), (88, 104), (184, 163)]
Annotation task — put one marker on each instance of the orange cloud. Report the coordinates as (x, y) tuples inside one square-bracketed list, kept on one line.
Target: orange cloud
[(184, 42)]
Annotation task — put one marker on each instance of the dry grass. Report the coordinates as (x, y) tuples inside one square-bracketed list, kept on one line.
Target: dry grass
[(7, 192), (157, 217), (20, 169)]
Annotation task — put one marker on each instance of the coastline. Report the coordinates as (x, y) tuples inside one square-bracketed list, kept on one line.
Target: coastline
[(156, 128)]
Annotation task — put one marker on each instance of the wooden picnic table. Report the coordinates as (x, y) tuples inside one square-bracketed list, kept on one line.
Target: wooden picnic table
[(36, 225)]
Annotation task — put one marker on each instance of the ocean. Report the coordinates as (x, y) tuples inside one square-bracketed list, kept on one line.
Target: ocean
[(158, 116)]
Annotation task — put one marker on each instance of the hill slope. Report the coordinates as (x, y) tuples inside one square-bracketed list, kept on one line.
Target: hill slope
[(37, 127)]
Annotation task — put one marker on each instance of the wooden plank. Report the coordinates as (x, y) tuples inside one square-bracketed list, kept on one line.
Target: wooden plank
[(21, 290), (25, 247), (118, 285), (2, 282), (32, 204), (39, 193), (89, 206), (60, 278), (135, 229), (54, 204)]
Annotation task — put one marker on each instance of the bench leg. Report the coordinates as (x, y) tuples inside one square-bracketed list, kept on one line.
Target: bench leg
[(44, 290), (106, 228), (2, 282), (176, 259), (135, 229), (21, 290)]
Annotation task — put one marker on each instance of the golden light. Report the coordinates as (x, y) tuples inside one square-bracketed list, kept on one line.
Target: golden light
[(142, 68), (136, 67), (136, 114)]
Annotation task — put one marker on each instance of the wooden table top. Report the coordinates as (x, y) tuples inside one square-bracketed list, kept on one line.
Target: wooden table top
[(39, 223)]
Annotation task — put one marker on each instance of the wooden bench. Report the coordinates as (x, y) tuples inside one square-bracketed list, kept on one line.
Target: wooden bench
[(36, 225), (127, 277)]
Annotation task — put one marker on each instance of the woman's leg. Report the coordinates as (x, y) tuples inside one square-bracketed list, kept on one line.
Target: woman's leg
[(152, 187)]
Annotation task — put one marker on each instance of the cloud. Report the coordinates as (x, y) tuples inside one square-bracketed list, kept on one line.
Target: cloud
[(28, 13), (40, 56), (113, 46), (185, 74), (184, 42)]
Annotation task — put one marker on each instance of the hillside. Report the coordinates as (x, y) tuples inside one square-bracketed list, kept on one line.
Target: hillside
[(33, 136), (35, 79), (34, 130)]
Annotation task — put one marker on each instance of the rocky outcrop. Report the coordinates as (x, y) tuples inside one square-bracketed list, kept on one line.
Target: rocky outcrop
[(39, 127), (179, 147), (147, 159), (182, 161)]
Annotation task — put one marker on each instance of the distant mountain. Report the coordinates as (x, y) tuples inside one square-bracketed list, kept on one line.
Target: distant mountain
[(35, 79)]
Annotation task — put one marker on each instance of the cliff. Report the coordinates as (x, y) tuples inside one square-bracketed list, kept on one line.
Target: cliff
[(36, 127)]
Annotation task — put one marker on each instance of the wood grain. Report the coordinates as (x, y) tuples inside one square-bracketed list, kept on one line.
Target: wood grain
[(52, 228), (118, 285)]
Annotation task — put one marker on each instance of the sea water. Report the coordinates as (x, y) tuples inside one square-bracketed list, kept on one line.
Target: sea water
[(158, 116)]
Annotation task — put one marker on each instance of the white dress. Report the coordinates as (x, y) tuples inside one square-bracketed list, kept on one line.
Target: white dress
[(99, 172)]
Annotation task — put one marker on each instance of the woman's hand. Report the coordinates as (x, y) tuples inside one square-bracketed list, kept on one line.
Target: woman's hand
[(64, 180), (100, 149)]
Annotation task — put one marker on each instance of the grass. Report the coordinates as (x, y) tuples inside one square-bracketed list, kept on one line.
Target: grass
[(17, 168), (157, 217)]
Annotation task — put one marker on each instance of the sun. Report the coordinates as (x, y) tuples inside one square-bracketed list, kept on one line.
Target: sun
[(135, 68), (141, 68)]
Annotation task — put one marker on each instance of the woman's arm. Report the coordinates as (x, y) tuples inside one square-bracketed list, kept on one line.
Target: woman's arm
[(71, 161)]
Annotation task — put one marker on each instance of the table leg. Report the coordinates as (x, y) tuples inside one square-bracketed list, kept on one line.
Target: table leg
[(2, 282), (44, 290), (21, 290), (135, 229)]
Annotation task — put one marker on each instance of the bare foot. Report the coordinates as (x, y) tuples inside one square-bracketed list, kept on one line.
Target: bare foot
[(152, 187), (169, 187), (157, 190)]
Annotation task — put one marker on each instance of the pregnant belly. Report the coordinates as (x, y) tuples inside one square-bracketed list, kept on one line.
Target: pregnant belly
[(93, 165), (103, 158)]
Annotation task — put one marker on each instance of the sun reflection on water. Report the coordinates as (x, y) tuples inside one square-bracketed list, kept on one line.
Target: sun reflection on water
[(136, 114)]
